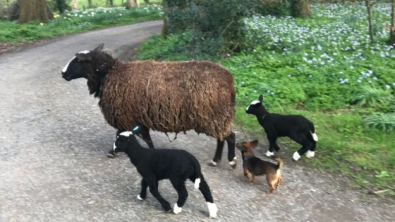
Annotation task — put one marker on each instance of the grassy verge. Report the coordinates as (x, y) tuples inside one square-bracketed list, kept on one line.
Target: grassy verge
[(326, 69), (76, 21)]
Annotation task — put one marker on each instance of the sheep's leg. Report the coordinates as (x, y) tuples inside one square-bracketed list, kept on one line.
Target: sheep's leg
[(231, 140), (143, 192), (153, 187), (144, 134), (182, 192), (112, 153), (218, 153), (205, 190), (302, 140)]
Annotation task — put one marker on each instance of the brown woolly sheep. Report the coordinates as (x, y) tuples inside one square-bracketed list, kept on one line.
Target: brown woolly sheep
[(162, 96)]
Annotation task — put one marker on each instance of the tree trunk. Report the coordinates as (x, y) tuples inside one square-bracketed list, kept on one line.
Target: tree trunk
[(90, 4), (146, 1), (132, 4), (60, 5), (369, 5), (300, 8), (74, 4), (392, 28), (31, 10)]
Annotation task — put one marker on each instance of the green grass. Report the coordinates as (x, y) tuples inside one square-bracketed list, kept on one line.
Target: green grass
[(76, 21), (324, 68)]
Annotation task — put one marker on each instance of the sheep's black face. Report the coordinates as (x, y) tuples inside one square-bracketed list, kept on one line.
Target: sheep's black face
[(121, 142), (77, 67)]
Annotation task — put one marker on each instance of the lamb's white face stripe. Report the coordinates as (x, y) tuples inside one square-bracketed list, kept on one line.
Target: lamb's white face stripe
[(84, 52), (255, 102), (67, 65), (126, 133)]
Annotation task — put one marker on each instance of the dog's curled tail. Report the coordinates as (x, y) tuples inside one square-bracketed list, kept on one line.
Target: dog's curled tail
[(280, 162)]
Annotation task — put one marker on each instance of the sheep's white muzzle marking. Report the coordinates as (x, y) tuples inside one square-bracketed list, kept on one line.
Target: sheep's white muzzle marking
[(176, 209), (212, 209), (310, 154), (67, 65), (197, 183), (315, 137), (126, 133), (268, 153), (296, 156)]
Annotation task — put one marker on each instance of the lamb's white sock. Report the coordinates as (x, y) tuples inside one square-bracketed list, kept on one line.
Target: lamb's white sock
[(315, 137), (268, 153), (296, 156), (212, 209), (139, 198), (176, 209), (310, 154)]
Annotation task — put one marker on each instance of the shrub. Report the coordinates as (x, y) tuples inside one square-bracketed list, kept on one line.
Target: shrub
[(382, 121)]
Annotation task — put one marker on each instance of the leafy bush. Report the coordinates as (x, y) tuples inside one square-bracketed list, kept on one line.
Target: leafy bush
[(374, 97), (382, 121)]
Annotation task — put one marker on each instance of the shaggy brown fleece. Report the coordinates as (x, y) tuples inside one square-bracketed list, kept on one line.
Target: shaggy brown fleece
[(170, 97)]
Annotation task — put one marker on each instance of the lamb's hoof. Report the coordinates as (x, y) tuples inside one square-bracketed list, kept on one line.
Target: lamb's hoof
[(269, 154), (233, 163), (212, 163), (139, 197), (310, 154), (176, 209), (296, 156), (212, 209)]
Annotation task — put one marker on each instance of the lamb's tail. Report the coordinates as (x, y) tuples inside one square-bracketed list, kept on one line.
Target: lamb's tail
[(279, 161), (312, 131), (197, 173)]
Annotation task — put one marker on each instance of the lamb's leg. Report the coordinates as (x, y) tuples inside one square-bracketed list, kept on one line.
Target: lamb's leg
[(302, 140), (272, 145), (205, 190), (112, 153), (144, 134), (218, 153), (182, 192), (231, 140), (143, 192), (153, 188), (311, 152)]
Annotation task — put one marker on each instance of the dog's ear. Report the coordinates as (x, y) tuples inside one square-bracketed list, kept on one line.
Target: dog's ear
[(254, 143)]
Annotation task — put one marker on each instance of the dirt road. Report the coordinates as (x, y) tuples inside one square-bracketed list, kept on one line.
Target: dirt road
[(53, 167)]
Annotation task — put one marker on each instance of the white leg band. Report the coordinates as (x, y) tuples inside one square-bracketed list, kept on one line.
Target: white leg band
[(212, 209), (296, 156), (177, 209), (310, 154), (268, 153)]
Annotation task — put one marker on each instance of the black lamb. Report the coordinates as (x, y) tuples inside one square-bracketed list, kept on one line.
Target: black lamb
[(296, 127), (157, 164)]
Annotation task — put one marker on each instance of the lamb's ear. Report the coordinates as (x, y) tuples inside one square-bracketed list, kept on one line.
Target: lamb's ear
[(99, 48), (254, 143), (84, 56), (260, 98)]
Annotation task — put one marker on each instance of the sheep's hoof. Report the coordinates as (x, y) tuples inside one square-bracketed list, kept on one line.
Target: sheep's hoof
[(112, 154), (212, 163)]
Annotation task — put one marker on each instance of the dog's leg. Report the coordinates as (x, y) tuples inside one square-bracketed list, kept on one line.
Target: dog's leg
[(253, 179), (279, 182), (246, 172), (271, 181)]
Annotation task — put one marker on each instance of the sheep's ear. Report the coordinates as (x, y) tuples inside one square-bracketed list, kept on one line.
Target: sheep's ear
[(99, 48), (260, 98), (254, 143), (84, 56)]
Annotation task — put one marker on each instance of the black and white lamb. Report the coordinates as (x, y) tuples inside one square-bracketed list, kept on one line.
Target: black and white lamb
[(162, 96), (296, 127), (158, 164)]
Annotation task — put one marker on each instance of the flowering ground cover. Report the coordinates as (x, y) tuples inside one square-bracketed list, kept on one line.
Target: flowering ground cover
[(326, 68)]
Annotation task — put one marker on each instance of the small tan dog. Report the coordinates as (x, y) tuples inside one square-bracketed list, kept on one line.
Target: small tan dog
[(257, 167)]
